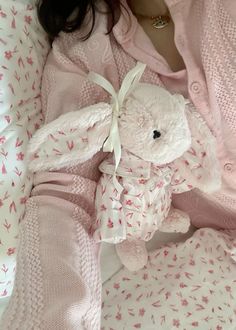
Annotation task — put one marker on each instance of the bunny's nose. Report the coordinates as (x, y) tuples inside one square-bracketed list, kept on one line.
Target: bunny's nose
[(156, 134)]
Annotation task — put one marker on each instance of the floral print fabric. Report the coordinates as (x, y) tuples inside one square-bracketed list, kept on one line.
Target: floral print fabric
[(185, 286)]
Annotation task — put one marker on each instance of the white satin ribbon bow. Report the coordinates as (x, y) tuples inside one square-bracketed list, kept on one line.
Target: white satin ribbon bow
[(129, 83)]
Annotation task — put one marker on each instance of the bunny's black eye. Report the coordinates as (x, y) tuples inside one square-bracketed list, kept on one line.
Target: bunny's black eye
[(156, 134)]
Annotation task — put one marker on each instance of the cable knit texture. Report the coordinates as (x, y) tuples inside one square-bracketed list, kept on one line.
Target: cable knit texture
[(57, 282), (25, 310)]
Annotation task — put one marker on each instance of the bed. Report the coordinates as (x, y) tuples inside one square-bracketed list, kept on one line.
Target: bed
[(189, 281)]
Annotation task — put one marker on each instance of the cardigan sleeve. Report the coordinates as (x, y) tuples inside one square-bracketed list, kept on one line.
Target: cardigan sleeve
[(57, 283)]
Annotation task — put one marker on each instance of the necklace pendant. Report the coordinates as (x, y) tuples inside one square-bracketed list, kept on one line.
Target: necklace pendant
[(160, 22)]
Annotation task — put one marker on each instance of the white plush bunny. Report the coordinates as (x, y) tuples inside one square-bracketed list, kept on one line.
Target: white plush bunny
[(160, 146)]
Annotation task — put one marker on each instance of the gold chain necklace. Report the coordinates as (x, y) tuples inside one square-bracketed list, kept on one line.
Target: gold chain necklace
[(158, 22)]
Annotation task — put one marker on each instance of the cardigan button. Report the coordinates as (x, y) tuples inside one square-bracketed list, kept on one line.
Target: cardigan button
[(195, 87), (228, 167)]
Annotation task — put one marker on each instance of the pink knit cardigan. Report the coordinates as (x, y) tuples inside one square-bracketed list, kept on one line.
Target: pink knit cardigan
[(57, 283)]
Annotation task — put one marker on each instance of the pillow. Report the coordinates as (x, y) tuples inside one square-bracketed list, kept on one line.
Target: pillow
[(23, 51)]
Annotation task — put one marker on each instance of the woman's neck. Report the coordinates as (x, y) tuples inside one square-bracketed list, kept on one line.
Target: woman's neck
[(148, 8)]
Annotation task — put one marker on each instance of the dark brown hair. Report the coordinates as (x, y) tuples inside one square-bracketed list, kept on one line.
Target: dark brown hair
[(54, 14)]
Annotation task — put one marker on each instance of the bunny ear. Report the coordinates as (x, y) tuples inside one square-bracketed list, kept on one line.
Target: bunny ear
[(199, 167), (70, 139)]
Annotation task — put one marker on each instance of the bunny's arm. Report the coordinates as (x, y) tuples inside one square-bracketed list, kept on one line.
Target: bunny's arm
[(178, 183)]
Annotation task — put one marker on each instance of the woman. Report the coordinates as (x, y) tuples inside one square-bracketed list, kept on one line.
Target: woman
[(189, 47)]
